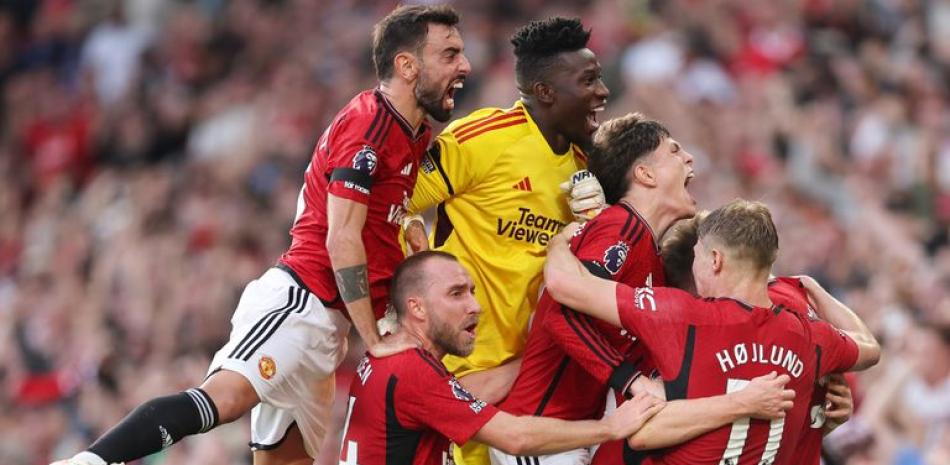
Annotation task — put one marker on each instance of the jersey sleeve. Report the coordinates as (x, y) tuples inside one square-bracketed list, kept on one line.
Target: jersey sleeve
[(838, 351), (445, 170), (441, 403), (582, 339), (579, 335), (352, 157), (653, 314)]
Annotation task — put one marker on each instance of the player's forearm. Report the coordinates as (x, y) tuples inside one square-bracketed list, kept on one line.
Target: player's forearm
[(678, 422), (572, 285), (542, 436), (492, 385), (348, 259)]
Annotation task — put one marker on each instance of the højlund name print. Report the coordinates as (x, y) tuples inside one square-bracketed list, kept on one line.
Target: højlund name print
[(776, 355)]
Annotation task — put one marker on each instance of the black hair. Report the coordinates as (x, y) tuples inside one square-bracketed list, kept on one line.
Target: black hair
[(405, 29), (538, 44)]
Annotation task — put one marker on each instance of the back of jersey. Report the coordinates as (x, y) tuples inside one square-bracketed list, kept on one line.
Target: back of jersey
[(711, 347)]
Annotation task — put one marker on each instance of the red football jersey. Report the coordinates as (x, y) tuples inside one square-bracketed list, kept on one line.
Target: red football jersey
[(570, 359), (404, 409), (370, 155), (708, 347), (790, 293)]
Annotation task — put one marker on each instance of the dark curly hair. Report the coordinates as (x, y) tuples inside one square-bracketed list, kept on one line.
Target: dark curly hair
[(538, 44), (618, 144), (405, 29)]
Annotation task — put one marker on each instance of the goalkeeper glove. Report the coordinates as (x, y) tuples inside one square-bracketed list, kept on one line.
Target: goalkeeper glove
[(585, 195)]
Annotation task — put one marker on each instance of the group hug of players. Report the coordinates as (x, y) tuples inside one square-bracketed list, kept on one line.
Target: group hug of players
[(512, 336)]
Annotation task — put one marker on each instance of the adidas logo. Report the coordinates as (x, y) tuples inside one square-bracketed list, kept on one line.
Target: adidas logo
[(166, 438), (407, 170), (523, 185)]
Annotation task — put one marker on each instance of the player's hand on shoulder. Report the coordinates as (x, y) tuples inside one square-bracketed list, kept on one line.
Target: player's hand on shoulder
[(390, 345), (415, 232), (765, 397), (631, 415), (585, 195)]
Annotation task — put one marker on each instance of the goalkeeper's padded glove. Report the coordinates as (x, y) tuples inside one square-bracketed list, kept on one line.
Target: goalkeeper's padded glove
[(585, 195)]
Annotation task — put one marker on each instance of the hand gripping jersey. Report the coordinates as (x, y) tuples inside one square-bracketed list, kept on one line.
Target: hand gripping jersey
[(707, 347), (404, 409), (495, 183), (370, 155)]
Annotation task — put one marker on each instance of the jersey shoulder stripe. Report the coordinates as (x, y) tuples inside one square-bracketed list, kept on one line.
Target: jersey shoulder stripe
[(493, 127), (481, 117)]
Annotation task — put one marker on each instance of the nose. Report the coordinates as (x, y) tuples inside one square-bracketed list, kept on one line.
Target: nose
[(465, 67), (687, 157), (473, 306), (601, 91)]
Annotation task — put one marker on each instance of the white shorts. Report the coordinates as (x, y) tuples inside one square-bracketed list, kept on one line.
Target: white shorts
[(287, 345), (580, 456)]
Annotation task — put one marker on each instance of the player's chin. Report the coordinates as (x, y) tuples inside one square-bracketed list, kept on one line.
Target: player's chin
[(463, 347)]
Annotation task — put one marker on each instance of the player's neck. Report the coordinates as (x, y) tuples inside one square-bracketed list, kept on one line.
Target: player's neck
[(746, 288), (651, 210), (402, 98), (543, 120), (415, 335)]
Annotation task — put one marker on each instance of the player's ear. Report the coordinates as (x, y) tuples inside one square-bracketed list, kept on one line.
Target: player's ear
[(643, 174), (414, 308), (406, 66), (543, 92), (717, 260)]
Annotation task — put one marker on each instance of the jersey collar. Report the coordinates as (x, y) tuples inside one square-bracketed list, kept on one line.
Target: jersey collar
[(403, 124), (533, 127), (633, 210)]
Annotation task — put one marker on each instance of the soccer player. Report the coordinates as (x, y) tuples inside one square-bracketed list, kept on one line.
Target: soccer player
[(494, 176), (711, 346), (405, 408), (794, 294), (570, 358), (290, 327)]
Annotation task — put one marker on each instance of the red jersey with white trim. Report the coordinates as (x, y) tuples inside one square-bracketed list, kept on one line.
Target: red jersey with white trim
[(369, 155), (708, 347), (571, 359), (404, 409)]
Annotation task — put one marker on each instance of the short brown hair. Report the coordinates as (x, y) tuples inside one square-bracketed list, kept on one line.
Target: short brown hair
[(406, 29), (410, 277), (746, 229), (618, 144), (677, 251)]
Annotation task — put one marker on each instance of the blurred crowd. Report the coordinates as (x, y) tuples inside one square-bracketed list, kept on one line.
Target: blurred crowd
[(151, 153)]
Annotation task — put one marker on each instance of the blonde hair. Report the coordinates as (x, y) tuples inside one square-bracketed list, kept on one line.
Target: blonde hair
[(746, 229)]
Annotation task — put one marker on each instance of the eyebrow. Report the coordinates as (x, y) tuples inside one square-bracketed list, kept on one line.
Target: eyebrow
[(459, 287)]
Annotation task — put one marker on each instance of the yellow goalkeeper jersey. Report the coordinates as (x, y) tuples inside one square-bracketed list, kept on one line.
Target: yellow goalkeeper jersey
[(495, 183)]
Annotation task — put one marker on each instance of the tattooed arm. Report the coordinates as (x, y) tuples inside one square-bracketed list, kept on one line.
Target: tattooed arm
[(345, 220)]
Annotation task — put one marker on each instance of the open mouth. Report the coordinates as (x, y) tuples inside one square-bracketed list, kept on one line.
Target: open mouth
[(689, 178), (470, 329), (450, 93), (592, 123)]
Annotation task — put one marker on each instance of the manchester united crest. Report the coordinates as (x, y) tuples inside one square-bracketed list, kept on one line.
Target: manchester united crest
[(267, 367)]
